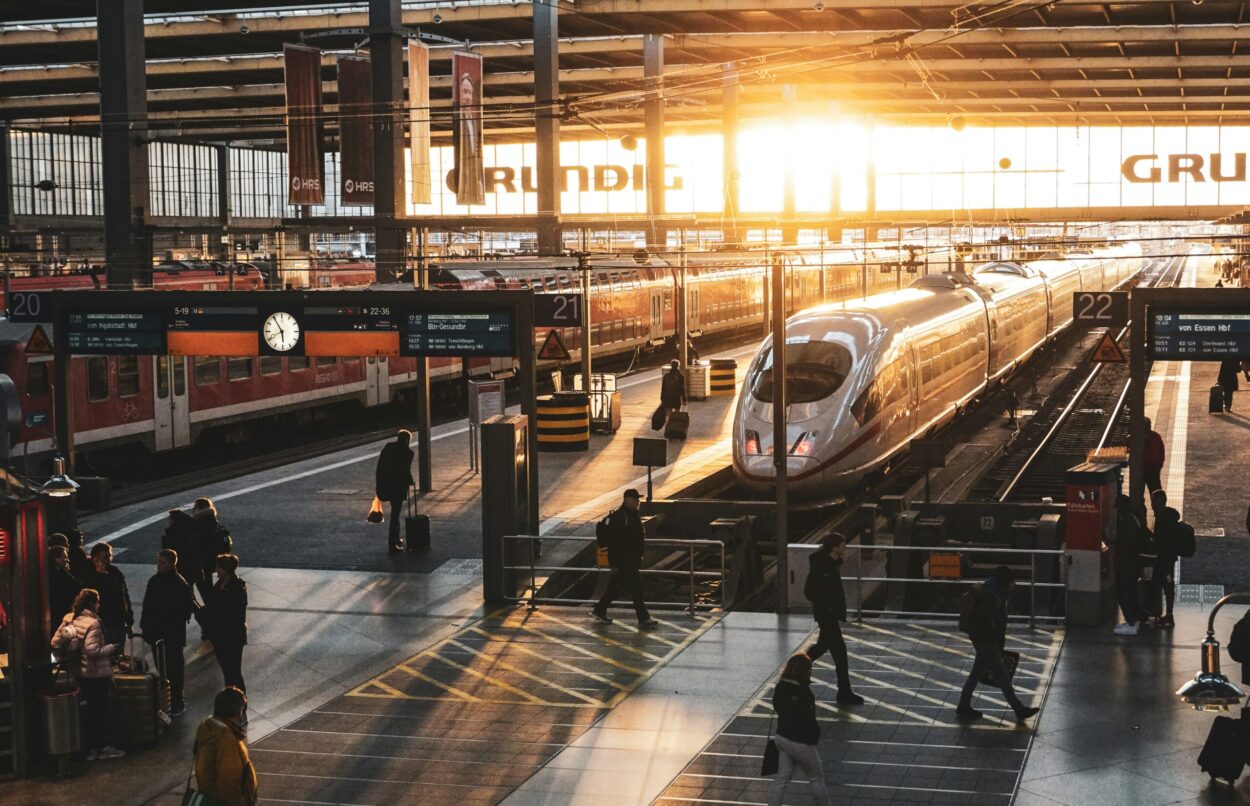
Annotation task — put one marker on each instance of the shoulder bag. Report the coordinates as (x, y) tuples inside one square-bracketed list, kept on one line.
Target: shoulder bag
[(772, 757)]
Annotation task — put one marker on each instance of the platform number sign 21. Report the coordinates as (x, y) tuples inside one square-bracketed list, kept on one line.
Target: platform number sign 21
[(30, 306), (558, 310), (1100, 308)]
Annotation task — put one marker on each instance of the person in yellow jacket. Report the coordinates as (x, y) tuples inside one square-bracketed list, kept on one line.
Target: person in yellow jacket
[(222, 767)]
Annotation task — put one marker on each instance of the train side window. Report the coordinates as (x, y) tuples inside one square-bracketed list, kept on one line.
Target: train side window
[(326, 361), (127, 375), (618, 330), (355, 359), (162, 376), (297, 363), (180, 377), (37, 379), (238, 369), (97, 379), (207, 370), (270, 365)]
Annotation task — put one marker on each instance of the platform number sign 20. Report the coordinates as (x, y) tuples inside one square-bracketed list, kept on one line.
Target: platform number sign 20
[(30, 306), (558, 310), (1100, 308)]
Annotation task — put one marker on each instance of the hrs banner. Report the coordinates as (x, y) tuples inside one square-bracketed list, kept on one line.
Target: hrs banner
[(305, 164), (356, 129)]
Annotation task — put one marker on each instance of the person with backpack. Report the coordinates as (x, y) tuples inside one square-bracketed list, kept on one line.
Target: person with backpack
[(180, 538), (224, 619), (824, 590), (1128, 540), (1173, 539), (983, 616), (79, 644), (211, 540), (797, 732), (167, 607), (625, 541)]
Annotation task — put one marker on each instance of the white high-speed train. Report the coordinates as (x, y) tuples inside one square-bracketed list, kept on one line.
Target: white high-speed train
[(864, 378)]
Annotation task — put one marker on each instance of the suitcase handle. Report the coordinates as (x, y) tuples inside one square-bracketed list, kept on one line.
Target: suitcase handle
[(412, 501)]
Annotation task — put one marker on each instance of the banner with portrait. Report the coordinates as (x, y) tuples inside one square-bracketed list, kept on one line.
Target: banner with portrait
[(466, 113), (305, 164), (356, 130), (419, 120)]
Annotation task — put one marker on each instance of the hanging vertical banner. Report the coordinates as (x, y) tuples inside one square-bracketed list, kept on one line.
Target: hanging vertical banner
[(356, 129), (419, 120), (305, 163), (466, 106)]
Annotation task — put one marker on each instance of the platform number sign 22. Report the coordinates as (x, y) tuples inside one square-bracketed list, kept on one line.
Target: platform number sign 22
[(30, 306), (558, 310), (1100, 308)]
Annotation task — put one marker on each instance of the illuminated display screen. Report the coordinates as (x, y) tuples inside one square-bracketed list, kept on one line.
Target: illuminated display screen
[(1205, 336), (366, 330), (217, 330), (116, 332), (462, 334)]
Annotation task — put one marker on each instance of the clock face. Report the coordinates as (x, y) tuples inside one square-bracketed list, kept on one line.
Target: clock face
[(281, 331)]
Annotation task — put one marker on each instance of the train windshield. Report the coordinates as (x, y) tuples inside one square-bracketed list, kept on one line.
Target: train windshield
[(814, 371)]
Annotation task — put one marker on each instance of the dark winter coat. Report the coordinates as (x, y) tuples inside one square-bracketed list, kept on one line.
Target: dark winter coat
[(211, 539), (393, 476), (1165, 539), (627, 539), (824, 586), (673, 389), (1230, 368), (167, 607), (180, 535), (62, 589), (1128, 541), (795, 706), (115, 612), (79, 563), (987, 624), (224, 615)]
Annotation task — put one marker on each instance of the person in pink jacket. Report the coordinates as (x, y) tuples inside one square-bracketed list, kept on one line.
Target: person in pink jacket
[(79, 642)]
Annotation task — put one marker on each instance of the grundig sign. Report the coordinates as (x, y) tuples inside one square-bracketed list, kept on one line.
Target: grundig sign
[(504, 179), (1149, 168)]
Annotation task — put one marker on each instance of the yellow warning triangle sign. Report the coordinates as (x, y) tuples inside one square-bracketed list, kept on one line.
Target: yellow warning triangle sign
[(553, 348), (1107, 351), (38, 343)]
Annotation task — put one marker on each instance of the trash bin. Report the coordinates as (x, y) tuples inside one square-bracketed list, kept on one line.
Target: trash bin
[(59, 705)]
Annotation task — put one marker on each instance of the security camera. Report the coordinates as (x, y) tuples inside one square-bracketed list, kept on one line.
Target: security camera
[(243, 29), (437, 18)]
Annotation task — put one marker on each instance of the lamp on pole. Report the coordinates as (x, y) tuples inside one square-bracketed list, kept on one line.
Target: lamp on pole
[(1210, 690)]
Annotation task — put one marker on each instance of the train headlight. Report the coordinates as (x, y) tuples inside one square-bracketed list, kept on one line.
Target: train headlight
[(753, 443), (804, 444)]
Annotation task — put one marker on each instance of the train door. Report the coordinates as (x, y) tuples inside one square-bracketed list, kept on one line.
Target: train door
[(377, 382), (172, 408)]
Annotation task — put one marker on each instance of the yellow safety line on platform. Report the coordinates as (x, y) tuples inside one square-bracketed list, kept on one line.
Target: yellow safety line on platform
[(1019, 670), (647, 634), (847, 716), (1010, 637), (491, 679), (505, 665), (570, 667), (464, 695), (922, 677), (901, 654), (580, 649), (700, 624), (599, 637), (390, 692)]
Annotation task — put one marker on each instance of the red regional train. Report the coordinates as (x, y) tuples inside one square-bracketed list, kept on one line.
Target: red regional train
[(165, 403)]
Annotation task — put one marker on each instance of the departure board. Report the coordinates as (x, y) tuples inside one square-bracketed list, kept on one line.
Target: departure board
[(459, 334), (365, 330), (213, 330), (116, 332), (1198, 336)]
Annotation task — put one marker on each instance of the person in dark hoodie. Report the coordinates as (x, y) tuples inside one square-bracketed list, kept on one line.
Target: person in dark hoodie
[(62, 586), (1167, 522), (986, 625), (180, 537), (115, 612), (824, 590), (797, 732), (167, 607), (392, 480), (224, 619), (211, 540)]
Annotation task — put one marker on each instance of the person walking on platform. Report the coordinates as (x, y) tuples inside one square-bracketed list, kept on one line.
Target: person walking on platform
[(80, 643), (626, 544), (63, 588), (224, 619), (115, 611), (797, 732), (1227, 379), (180, 537), (167, 607), (1163, 578), (223, 769), (985, 622), (672, 395), (393, 478), (211, 541), (1128, 534), (824, 590), (1155, 455)]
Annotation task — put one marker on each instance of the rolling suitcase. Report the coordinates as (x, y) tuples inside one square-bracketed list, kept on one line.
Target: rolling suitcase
[(1224, 754), (416, 527), (138, 707), (677, 426), (1215, 400)]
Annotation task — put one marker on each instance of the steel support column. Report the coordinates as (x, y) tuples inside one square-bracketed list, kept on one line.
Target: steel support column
[(729, 133), (386, 50), (123, 143), (223, 198), (653, 81), (425, 454), (547, 126), (6, 181), (781, 443)]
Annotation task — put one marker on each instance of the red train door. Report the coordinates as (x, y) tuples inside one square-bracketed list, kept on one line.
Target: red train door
[(377, 382), (171, 409)]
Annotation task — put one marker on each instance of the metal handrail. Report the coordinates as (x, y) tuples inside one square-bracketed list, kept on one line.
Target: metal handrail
[(689, 545)]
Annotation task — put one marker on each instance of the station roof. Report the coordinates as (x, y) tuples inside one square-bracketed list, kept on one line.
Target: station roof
[(215, 66)]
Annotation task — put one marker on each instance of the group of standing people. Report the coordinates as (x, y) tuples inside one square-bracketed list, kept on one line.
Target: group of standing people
[(91, 604)]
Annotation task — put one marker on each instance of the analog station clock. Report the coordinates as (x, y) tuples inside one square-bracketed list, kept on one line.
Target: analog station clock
[(281, 332)]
